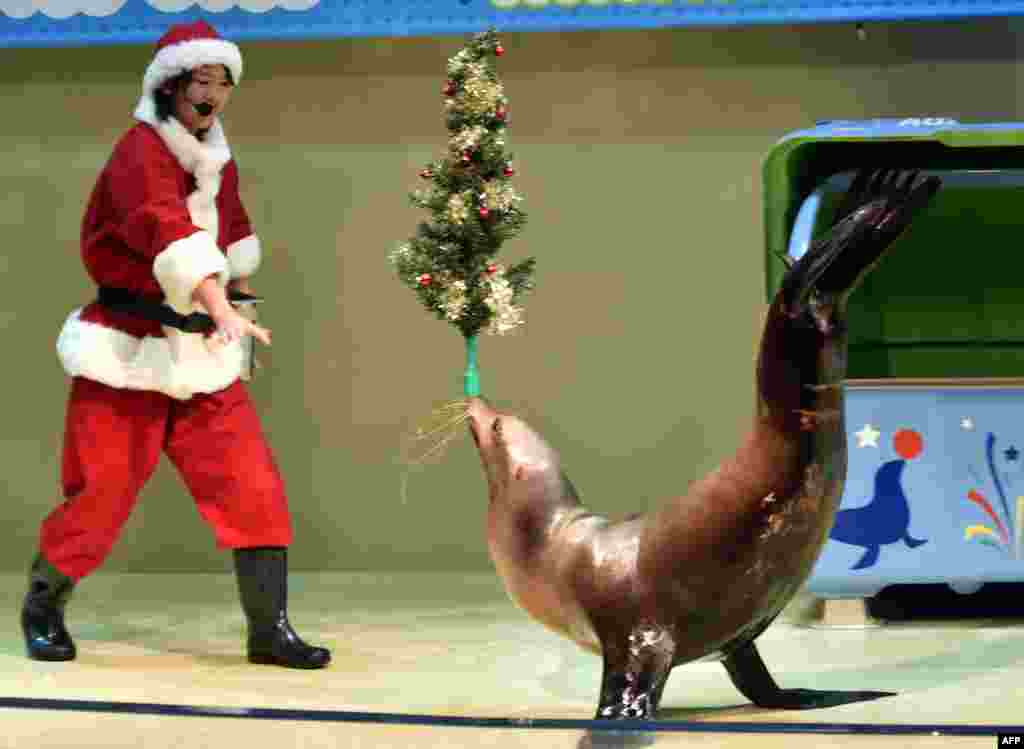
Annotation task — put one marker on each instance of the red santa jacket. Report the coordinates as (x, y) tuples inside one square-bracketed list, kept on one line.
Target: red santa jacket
[(164, 214)]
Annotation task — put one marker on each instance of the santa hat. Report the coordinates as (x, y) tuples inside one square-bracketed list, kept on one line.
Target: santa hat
[(185, 47)]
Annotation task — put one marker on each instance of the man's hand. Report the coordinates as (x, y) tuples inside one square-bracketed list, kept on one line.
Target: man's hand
[(231, 326)]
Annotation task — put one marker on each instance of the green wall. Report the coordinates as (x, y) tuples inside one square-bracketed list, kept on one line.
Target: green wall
[(639, 156)]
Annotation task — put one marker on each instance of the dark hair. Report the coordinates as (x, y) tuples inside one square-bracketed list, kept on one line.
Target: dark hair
[(165, 101)]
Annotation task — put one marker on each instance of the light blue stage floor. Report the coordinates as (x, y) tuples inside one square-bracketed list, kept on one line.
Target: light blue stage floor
[(452, 646)]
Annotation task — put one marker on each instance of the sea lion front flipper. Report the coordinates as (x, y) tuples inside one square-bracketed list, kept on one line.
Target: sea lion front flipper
[(751, 677), (635, 671)]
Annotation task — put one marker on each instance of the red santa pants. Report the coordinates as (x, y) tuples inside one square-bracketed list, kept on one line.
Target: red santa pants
[(112, 445)]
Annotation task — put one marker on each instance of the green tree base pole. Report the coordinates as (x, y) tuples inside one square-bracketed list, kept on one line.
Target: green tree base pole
[(471, 378)]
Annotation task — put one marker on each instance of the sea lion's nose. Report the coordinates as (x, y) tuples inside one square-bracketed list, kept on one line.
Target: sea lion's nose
[(480, 410), (481, 421)]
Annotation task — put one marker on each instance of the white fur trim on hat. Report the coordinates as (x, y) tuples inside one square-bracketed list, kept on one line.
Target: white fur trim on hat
[(180, 365), (181, 267), (244, 256), (182, 57)]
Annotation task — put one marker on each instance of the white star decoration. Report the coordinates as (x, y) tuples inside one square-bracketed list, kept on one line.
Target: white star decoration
[(868, 436), (967, 423)]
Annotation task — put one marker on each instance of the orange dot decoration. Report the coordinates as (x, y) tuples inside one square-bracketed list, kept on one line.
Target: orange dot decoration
[(908, 443)]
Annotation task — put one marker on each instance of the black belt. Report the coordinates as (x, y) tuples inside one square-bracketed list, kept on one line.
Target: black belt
[(150, 308)]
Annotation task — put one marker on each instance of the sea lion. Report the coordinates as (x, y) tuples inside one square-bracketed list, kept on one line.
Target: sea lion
[(882, 521), (702, 576)]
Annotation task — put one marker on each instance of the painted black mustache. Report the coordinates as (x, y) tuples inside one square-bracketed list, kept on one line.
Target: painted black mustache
[(204, 109)]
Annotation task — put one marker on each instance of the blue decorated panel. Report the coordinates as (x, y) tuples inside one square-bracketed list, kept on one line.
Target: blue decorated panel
[(82, 22), (934, 490)]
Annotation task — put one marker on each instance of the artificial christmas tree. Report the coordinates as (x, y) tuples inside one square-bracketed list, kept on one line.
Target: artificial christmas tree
[(451, 262)]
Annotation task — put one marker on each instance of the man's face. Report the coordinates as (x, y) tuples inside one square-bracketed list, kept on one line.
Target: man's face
[(197, 104)]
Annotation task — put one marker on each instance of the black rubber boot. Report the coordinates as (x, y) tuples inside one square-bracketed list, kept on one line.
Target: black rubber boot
[(263, 586), (42, 615)]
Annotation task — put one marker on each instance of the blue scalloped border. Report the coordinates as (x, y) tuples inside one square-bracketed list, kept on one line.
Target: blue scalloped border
[(139, 23)]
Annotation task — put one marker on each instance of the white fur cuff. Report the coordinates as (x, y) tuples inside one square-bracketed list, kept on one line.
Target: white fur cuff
[(181, 267), (244, 257)]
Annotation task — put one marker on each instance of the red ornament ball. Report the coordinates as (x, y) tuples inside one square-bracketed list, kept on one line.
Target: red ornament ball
[(499, 50), (449, 89), (508, 171), (426, 174), (466, 157), (484, 211), (908, 443), (492, 268), (501, 113), (424, 279)]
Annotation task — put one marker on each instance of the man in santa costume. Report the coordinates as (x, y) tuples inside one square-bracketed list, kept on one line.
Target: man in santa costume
[(156, 360)]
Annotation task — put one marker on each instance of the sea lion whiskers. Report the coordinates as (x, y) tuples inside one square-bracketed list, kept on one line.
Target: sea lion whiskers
[(430, 441), (440, 433)]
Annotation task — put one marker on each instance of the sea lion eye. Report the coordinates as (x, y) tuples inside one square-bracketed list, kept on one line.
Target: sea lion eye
[(496, 427)]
